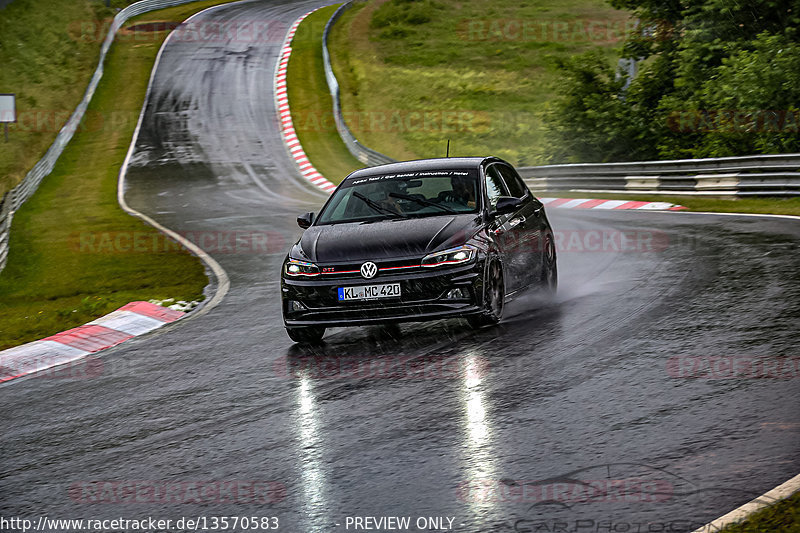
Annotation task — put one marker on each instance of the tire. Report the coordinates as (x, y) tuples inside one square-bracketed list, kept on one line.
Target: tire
[(493, 300), (306, 335), (549, 278)]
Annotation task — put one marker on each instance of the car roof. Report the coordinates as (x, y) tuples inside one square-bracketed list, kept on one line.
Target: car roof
[(442, 163)]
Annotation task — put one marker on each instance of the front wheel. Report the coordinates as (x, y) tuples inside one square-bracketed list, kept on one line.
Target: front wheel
[(493, 300), (306, 334)]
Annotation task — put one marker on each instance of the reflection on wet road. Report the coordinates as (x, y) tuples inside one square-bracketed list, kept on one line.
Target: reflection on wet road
[(587, 409)]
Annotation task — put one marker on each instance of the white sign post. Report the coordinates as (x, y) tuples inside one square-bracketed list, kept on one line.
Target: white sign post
[(8, 110)]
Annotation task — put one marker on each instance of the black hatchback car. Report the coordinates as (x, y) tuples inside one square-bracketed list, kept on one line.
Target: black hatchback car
[(417, 240)]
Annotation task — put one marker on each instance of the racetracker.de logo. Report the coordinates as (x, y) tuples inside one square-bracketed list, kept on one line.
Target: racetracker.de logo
[(733, 367), (589, 241), (382, 367), (240, 31), (220, 242), (48, 366), (177, 492), (734, 121), (541, 30), (396, 120)]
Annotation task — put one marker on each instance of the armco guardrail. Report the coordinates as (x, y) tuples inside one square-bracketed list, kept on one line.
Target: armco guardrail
[(16, 196), (756, 175), (366, 155)]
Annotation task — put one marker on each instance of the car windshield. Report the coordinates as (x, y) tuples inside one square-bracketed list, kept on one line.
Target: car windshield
[(403, 195)]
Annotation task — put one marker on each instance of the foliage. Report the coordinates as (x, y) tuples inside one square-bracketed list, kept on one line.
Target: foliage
[(717, 78)]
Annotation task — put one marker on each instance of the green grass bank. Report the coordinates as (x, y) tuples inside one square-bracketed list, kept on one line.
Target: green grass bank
[(48, 54), (481, 73), (73, 251), (782, 517)]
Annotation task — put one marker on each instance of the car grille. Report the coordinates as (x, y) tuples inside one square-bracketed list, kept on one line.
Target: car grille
[(353, 270)]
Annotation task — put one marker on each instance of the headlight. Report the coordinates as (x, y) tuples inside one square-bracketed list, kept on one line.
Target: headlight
[(453, 256), (300, 268)]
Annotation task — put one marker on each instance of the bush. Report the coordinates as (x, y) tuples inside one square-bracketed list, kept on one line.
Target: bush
[(396, 14), (716, 81)]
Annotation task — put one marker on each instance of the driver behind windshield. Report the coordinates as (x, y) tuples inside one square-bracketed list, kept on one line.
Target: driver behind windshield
[(463, 192)]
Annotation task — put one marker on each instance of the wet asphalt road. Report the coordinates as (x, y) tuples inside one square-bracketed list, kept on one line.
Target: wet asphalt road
[(433, 420)]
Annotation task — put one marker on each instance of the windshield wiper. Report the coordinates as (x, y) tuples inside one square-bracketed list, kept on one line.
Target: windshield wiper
[(376, 206), (420, 201)]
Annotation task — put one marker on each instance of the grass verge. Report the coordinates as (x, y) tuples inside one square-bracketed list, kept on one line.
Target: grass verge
[(480, 73), (74, 254), (310, 101), (48, 54), (783, 517)]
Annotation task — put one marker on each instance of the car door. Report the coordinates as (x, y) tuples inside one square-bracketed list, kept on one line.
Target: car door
[(528, 226), (505, 230)]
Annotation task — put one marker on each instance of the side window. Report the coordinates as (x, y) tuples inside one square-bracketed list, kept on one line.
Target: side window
[(495, 188), (516, 187)]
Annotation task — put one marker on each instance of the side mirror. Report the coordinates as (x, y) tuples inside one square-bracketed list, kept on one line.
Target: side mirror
[(305, 220), (507, 204)]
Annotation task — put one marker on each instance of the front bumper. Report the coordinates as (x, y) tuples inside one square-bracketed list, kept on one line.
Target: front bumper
[(423, 297)]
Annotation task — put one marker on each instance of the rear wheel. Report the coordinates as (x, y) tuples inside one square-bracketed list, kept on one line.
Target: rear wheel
[(306, 335), (493, 299), (549, 266)]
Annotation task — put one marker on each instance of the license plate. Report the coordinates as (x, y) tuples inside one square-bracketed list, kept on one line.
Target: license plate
[(369, 292)]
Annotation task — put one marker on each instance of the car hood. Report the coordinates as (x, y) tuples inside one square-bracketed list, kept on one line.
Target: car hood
[(388, 239)]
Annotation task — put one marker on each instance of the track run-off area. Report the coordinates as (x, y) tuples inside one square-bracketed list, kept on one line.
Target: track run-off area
[(658, 389)]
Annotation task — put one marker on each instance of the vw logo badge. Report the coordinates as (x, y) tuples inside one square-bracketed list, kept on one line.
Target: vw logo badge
[(369, 270)]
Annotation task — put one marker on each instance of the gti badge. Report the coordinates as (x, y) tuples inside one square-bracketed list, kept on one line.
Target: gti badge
[(368, 270)]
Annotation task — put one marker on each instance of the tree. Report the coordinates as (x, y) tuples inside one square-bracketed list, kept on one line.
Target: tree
[(717, 78)]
